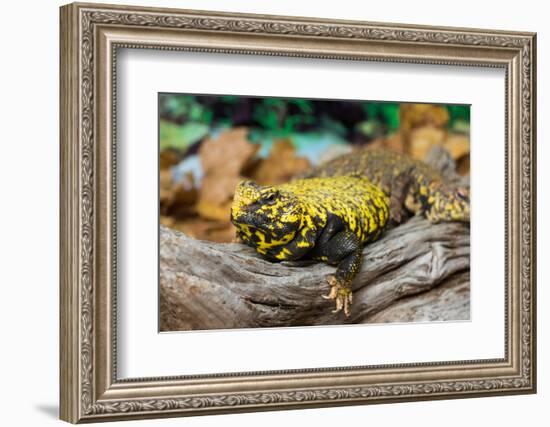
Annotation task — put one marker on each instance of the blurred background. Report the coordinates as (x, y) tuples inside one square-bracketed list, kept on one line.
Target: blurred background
[(208, 143)]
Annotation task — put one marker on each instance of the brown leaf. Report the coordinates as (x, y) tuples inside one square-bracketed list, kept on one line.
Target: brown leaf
[(457, 145), (167, 221), (214, 211), (169, 158), (228, 153), (393, 142), (423, 139), (422, 116), (417, 115), (281, 164), (463, 165), (223, 160), (217, 188), (176, 199), (203, 229), (166, 189)]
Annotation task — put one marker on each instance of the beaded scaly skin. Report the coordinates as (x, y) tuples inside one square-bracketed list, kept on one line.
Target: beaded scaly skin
[(325, 219), (411, 185)]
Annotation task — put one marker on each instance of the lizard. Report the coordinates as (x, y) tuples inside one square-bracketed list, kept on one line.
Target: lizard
[(318, 215), (323, 219), (412, 185)]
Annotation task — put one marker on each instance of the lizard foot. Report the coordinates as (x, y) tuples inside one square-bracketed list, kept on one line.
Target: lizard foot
[(341, 293)]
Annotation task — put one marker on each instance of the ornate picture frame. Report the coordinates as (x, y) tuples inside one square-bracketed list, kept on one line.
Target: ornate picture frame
[(90, 37)]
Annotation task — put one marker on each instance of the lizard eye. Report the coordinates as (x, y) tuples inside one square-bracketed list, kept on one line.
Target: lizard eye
[(270, 197), (462, 193)]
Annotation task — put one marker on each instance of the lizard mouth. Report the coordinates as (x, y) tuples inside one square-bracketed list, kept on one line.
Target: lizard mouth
[(255, 222), (250, 219)]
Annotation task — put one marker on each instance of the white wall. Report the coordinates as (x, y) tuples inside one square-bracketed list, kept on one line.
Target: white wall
[(29, 169)]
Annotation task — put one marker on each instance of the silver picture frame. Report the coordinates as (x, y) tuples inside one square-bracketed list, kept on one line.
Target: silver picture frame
[(90, 37)]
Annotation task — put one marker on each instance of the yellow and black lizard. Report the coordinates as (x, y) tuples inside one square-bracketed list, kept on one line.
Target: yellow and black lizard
[(339, 207), (412, 185)]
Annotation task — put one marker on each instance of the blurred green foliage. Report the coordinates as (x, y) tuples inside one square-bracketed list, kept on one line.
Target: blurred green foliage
[(459, 118), (181, 136), (186, 119), (383, 112), (275, 115), (184, 108), (458, 113)]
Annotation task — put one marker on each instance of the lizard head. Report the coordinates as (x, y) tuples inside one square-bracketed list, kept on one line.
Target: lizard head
[(265, 216), (449, 203)]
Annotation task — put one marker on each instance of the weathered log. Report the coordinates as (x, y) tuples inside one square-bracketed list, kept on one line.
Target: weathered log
[(415, 272), (205, 285), (448, 301)]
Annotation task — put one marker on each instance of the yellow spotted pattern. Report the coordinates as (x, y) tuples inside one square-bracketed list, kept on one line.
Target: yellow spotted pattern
[(362, 206), (427, 191), (290, 216)]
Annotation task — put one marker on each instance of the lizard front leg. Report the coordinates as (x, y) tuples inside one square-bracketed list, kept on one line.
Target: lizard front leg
[(297, 248), (344, 249), (333, 226)]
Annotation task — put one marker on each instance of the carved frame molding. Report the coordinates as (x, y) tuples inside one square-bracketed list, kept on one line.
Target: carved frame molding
[(90, 37)]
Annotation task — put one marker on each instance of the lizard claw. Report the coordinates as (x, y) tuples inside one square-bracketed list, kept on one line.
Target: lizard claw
[(341, 293), (333, 292)]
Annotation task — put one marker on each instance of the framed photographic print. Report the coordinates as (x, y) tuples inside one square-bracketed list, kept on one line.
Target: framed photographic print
[(266, 212)]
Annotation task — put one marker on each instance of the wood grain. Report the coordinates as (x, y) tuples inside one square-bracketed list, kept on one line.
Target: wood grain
[(205, 285)]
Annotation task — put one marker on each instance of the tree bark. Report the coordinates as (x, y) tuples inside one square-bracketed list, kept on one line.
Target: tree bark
[(205, 285), (416, 272)]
